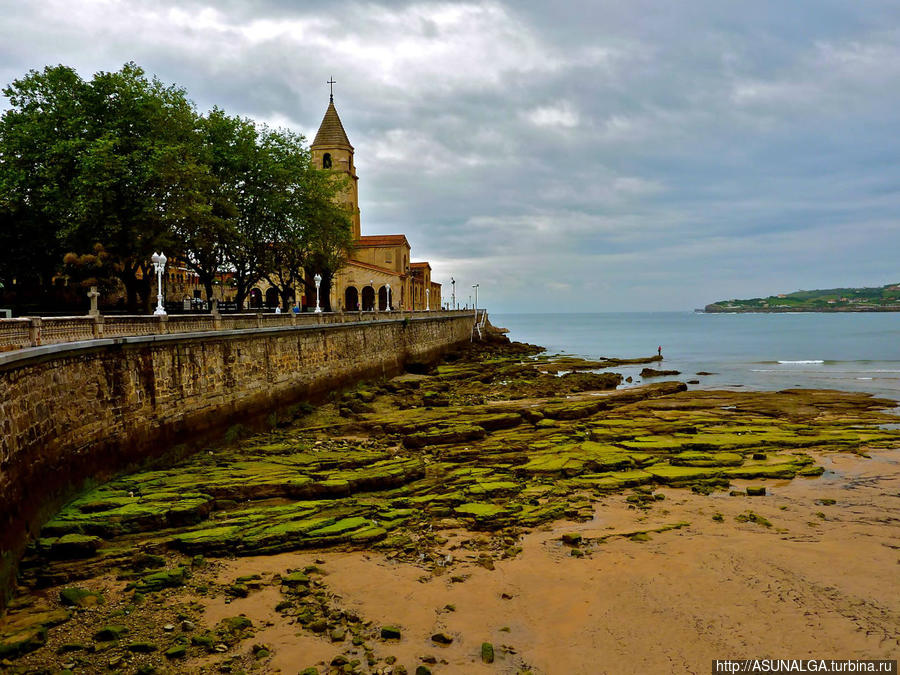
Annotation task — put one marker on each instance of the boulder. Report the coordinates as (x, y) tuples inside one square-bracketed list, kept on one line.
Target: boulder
[(390, 633), (652, 372)]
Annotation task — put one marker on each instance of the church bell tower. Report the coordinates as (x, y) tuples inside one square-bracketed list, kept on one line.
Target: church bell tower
[(331, 151)]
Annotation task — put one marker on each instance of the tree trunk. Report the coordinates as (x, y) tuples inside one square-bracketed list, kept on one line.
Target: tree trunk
[(325, 293), (145, 289), (207, 282), (240, 293), (130, 293), (285, 295)]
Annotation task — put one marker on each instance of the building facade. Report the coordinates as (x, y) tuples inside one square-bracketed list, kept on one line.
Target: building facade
[(379, 274)]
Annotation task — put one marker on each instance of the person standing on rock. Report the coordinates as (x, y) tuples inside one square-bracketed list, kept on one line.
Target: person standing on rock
[(659, 350)]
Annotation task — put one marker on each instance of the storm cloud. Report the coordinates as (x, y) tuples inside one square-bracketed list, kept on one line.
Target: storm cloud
[(567, 156)]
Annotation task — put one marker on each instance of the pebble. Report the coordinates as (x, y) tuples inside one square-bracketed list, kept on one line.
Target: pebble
[(169, 627)]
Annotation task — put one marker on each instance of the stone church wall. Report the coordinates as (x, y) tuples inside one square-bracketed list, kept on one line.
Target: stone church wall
[(74, 415)]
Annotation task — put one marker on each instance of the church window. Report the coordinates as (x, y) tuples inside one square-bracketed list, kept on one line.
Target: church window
[(387, 256), (326, 160)]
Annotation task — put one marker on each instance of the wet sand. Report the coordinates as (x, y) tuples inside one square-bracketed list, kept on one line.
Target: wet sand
[(807, 587)]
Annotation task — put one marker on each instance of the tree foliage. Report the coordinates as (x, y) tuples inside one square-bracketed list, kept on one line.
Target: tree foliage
[(96, 175)]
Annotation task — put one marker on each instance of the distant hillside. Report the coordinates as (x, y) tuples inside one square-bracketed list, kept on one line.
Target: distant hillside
[(881, 299)]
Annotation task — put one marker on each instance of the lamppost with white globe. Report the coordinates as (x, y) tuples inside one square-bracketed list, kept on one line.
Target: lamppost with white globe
[(475, 286), (159, 263), (318, 280), (427, 299), (453, 293), (388, 287)]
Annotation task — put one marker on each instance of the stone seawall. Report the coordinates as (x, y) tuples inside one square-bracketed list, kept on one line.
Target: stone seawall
[(75, 414)]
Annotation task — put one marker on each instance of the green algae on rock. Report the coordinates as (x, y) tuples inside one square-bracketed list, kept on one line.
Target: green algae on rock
[(495, 459)]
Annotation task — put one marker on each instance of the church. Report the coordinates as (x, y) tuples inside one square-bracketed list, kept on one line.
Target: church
[(379, 274)]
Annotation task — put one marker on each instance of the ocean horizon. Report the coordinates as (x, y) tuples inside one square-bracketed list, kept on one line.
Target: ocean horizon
[(846, 351)]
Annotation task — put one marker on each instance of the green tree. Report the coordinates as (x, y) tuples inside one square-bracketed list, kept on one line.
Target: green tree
[(42, 136), (111, 162), (227, 148), (328, 239), (111, 170), (139, 179), (247, 182), (311, 230), (283, 208)]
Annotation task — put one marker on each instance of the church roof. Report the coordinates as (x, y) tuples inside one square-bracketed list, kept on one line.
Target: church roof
[(376, 268), (383, 240), (420, 265), (331, 132)]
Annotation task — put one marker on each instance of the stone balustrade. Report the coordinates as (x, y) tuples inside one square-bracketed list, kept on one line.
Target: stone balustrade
[(36, 331)]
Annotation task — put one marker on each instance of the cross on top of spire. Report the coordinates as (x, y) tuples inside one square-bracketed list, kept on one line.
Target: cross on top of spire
[(331, 84)]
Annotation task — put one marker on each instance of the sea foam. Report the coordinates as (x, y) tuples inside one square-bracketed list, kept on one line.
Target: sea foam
[(801, 362)]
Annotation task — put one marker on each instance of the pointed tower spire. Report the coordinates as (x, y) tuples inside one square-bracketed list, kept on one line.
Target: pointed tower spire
[(331, 132), (331, 151)]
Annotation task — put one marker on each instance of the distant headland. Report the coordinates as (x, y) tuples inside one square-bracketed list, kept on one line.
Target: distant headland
[(879, 299)]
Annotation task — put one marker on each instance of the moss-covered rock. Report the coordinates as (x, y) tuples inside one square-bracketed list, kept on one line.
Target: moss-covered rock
[(390, 633), (163, 579), (397, 472), (22, 641), (80, 597), (458, 433), (74, 546), (113, 631)]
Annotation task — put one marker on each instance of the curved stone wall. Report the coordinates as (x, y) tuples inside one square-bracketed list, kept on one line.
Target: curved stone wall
[(78, 413)]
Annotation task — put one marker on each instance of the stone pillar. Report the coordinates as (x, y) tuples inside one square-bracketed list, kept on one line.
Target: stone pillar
[(259, 319), (98, 326), (94, 296), (216, 314), (163, 326), (34, 331)]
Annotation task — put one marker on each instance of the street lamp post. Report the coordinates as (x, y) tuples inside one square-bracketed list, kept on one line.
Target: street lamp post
[(388, 287), (427, 299), (453, 293), (159, 263), (475, 286), (374, 295), (318, 280)]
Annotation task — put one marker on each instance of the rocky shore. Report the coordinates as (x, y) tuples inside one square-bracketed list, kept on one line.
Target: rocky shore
[(400, 526)]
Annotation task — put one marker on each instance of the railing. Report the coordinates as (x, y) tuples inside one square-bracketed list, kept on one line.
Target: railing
[(36, 331)]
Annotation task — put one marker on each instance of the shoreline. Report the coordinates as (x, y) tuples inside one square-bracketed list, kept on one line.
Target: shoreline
[(799, 310), (580, 517)]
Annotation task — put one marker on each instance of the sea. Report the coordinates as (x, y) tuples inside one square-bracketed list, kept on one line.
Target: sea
[(767, 352)]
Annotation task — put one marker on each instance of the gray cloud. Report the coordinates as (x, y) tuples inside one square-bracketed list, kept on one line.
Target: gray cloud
[(593, 155)]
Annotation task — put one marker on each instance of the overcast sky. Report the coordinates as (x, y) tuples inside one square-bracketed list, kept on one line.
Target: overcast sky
[(567, 156)]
